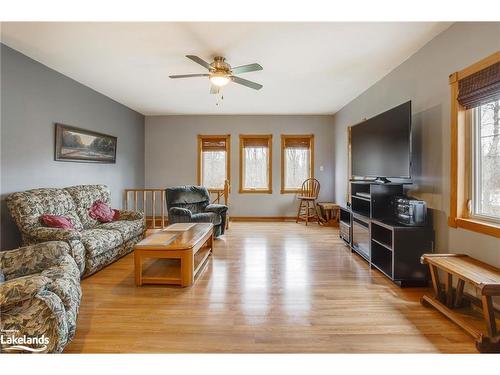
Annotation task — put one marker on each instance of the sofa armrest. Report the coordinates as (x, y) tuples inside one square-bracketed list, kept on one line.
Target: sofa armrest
[(32, 259), (217, 208), (21, 289), (41, 234), (131, 215)]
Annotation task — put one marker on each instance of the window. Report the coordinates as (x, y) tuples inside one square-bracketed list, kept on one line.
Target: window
[(475, 148), (297, 161), (255, 163), (213, 160), (485, 181)]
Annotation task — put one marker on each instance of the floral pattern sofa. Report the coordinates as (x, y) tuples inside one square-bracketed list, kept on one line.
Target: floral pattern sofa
[(39, 296), (92, 245)]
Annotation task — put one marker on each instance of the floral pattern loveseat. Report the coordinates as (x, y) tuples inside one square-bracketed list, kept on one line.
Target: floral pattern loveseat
[(39, 297), (92, 245)]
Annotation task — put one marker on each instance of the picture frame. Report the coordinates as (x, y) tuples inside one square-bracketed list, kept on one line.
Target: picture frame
[(74, 144)]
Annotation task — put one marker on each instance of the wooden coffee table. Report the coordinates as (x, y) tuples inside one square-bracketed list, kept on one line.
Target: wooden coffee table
[(190, 243)]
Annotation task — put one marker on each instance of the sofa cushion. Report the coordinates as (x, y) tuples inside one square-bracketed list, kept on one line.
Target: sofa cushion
[(98, 241), (54, 221), (127, 228), (28, 206), (84, 197), (101, 212)]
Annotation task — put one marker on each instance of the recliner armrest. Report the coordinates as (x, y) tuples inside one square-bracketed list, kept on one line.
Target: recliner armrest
[(21, 289), (32, 259), (217, 208), (177, 211)]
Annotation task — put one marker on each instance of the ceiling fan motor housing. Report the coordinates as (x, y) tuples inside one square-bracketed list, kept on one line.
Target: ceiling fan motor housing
[(219, 65)]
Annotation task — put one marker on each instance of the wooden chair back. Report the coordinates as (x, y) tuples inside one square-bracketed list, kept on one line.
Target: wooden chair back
[(310, 188)]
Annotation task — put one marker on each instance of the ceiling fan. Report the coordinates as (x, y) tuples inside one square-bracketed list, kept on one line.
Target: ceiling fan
[(220, 73)]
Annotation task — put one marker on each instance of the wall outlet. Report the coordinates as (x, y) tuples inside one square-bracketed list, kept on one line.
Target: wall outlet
[(321, 168)]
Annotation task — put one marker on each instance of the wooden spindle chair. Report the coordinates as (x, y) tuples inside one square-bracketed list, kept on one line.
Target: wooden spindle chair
[(308, 196)]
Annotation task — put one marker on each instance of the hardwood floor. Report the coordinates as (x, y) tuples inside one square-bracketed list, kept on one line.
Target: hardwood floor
[(269, 287)]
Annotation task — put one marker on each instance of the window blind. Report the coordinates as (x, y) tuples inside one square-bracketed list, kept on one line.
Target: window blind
[(255, 142), (303, 143), (213, 144), (480, 87)]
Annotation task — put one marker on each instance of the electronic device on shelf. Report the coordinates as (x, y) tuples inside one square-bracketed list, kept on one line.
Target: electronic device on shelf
[(363, 195), (408, 211)]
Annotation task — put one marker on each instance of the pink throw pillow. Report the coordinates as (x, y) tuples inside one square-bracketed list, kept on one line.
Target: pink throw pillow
[(101, 212), (53, 221)]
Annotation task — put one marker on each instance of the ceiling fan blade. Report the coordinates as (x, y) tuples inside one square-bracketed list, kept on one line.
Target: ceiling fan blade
[(246, 68), (200, 61), (247, 83), (214, 89), (188, 75)]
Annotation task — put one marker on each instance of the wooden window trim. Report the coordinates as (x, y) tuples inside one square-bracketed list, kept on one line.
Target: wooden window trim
[(460, 166), (269, 189), (227, 137), (284, 137)]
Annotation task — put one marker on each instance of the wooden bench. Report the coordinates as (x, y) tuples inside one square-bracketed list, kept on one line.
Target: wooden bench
[(482, 276), (330, 213)]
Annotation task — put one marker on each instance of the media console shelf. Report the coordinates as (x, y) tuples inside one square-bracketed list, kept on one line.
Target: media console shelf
[(391, 248), (373, 200), (345, 224), (396, 251)]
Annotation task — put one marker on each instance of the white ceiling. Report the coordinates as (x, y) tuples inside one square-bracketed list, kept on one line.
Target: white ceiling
[(309, 68)]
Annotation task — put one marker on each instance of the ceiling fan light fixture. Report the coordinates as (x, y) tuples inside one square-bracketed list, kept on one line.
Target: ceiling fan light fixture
[(219, 79)]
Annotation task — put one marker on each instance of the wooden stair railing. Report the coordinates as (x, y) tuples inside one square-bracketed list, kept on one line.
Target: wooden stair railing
[(145, 200)]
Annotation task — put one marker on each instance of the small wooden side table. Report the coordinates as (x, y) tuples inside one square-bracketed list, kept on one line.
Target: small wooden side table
[(484, 277), (330, 213)]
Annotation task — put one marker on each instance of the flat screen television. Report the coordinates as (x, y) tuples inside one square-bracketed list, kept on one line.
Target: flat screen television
[(381, 145)]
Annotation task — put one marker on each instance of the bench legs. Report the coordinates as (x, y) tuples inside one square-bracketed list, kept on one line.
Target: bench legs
[(445, 301), (489, 316)]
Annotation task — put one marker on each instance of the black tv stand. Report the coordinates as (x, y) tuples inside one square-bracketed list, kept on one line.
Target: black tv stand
[(369, 229), (382, 180)]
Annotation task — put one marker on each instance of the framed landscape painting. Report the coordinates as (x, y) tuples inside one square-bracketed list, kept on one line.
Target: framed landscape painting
[(81, 145)]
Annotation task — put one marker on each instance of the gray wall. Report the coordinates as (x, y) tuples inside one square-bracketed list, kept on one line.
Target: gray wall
[(171, 155), (33, 98), (423, 79)]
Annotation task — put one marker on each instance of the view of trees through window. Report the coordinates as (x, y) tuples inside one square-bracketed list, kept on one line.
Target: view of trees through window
[(255, 167), (214, 169), (297, 167), (487, 166)]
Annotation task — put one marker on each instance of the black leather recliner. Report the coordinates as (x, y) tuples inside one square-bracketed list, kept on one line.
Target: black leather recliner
[(191, 204)]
